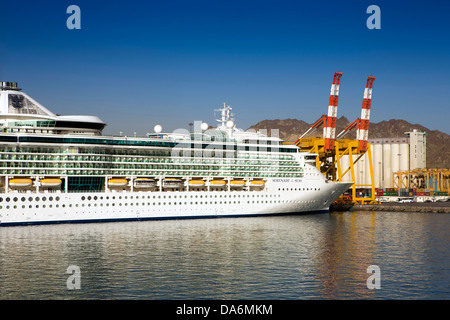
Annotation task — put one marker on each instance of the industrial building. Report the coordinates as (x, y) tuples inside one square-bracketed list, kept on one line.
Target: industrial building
[(389, 155)]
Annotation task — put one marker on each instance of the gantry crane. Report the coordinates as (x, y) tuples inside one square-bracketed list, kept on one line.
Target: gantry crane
[(324, 147), (331, 149), (433, 179)]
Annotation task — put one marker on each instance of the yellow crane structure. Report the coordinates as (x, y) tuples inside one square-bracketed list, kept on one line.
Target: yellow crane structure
[(436, 179), (330, 149)]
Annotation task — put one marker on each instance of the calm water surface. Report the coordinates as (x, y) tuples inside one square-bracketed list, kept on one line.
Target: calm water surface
[(318, 256)]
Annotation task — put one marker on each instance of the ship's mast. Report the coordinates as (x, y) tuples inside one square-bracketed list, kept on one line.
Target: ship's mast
[(227, 119)]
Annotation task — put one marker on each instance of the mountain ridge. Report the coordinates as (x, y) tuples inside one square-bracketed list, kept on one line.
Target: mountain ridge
[(438, 143)]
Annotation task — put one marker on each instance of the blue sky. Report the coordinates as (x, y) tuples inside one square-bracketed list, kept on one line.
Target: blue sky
[(140, 63)]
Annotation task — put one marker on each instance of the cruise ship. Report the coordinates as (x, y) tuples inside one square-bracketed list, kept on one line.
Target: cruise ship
[(61, 169)]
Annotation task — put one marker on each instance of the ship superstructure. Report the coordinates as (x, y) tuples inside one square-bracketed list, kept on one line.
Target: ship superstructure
[(62, 169)]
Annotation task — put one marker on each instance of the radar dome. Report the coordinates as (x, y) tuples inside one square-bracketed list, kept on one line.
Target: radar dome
[(157, 128), (204, 126), (230, 124)]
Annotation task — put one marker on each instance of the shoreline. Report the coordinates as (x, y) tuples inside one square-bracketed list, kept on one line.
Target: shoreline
[(428, 207)]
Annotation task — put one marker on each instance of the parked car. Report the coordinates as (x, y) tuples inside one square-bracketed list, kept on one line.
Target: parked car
[(405, 200)]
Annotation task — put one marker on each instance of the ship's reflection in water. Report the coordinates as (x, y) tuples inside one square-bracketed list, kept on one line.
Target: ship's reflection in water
[(317, 256)]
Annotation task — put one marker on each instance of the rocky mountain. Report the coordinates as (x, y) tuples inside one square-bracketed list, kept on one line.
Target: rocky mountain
[(438, 143)]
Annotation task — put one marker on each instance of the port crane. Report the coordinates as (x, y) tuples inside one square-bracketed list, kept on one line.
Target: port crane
[(330, 148)]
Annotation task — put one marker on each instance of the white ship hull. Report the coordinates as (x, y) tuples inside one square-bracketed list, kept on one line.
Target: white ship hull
[(279, 198)]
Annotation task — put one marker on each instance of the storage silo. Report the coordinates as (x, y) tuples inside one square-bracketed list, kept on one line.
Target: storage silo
[(404, 157), (377, 152), (345, 164), (367, 179), (387, 169), (359, 170), (395, 157)]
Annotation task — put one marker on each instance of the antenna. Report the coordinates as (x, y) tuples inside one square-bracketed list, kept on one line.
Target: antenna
[(226, 116)]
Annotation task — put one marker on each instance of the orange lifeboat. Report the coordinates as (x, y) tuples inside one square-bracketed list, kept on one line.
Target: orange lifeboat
[(117, 182), (20, 183), (51, 182)]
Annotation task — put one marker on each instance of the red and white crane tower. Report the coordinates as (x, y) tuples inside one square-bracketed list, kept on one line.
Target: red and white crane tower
[(362, 133), (329, 128), (362, 124), (328, 121)]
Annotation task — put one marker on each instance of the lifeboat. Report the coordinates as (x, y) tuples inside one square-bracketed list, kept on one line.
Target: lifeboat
[(51, 182), (257, 183), (172, 183), (20, 183), (117, 182), (237, 183), (217, 183), (196, 183), (144, 183)]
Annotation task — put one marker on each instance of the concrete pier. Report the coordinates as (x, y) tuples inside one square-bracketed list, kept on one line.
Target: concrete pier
[(427, 207)]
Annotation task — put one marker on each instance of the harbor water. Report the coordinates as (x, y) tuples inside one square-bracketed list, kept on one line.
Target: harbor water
[(297, 257)]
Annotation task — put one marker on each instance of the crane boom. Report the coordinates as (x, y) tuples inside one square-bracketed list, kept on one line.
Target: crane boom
[(329, 129), (362, 133)]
